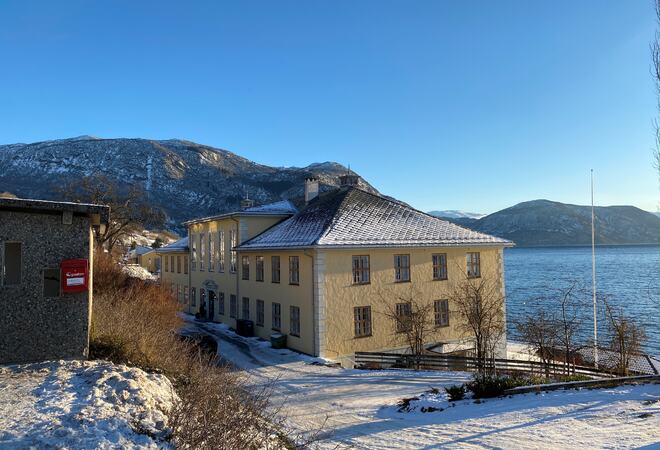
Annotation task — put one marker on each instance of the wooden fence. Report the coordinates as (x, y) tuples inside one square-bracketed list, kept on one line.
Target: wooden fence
[(463, 363)]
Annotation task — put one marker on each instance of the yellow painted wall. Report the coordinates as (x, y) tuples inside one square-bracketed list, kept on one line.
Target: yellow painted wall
[(175, 282), (341, 295)]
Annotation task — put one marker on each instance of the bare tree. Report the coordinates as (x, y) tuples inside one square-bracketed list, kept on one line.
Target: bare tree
[(130, 208), (411, 319), (479, 307), (569, 322), (539, 330), (626, 336)]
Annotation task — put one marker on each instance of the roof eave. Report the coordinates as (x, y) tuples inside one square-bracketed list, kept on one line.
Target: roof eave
[(507, 244)]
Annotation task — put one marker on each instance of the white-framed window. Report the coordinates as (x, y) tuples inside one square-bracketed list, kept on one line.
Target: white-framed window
[(193, 296), (211, 253), (276, 316), (362, 321), (294, 270), (403, 316), (193, 253), (178, 264), (275, 269), (473, 264), (401, 268), (361, 274), (233, 256), (166, 265), (441, 313), (186, 295), (259, 268), (221, 251), (260, 313), (185, 263), (294, 324), (439, 266)]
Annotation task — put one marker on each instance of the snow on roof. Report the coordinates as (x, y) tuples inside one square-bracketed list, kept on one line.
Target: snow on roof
[(48, 205), (179, 246), (281, 208), (350, 217), (139, 250)]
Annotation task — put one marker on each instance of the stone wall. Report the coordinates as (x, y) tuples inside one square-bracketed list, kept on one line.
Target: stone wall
[(32, 327)]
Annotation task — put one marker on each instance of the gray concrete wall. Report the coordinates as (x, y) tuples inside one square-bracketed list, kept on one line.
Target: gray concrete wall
[(34, 328)]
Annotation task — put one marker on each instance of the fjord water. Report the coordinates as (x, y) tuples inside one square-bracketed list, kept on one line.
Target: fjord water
[(628, 276)]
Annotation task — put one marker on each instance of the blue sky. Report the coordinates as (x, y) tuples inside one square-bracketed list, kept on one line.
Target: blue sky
[(473, 105)]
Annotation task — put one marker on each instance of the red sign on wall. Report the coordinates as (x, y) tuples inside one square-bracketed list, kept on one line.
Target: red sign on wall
[(74, 275)]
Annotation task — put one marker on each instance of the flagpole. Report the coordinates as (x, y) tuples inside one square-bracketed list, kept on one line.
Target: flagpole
[(593, 270)]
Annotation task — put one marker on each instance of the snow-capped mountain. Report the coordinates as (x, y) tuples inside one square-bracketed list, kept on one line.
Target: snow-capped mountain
[(456, 214), (184, 178)]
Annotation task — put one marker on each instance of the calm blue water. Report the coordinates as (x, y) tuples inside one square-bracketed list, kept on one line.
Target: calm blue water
[(628, 275)]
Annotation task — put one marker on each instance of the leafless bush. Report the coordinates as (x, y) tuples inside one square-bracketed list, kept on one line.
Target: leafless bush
[(135, 322), (539, 330), (626, 336)]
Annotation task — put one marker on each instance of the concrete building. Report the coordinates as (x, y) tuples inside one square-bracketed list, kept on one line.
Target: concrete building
[(326, 274), (46, 250), (174, 271)]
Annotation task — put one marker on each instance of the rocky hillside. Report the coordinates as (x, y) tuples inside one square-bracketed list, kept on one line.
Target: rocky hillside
[(184, 178), (543, 222)]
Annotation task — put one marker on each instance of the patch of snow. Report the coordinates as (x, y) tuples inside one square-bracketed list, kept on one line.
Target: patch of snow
[(356, 408), (83, 404), (137, 271)]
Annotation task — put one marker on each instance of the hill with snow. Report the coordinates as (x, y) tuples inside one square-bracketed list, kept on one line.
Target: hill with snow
[(184, 178)]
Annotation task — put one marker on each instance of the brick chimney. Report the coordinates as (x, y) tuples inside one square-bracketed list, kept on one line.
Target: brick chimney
[(311, 189)]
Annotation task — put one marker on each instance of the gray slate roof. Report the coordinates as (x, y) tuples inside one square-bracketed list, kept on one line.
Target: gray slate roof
[(281, 208), (26, 204), (179, 246), (351, 217)]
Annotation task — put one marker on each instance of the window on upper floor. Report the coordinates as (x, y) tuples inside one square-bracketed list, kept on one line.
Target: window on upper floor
[(439, 266), (401, 268), (233, 241), (185, 264), (275, 269), (221, 251), (245, 267), (473, 264), (178, 264), (193, 252), (202, 251), (294, 270), (166, 265), (361, 273), (259, 268), (211, 256)]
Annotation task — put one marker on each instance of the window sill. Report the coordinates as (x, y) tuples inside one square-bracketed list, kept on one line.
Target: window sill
[(276, 329), (362, 284), (275, 282), (402, 281), (362, 337), (440, 279), (294, 284), (294, 335), (442, 326), (471, 277)]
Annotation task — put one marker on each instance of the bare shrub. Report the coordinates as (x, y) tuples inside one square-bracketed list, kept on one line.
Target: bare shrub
[(539, 331), (626, 336)]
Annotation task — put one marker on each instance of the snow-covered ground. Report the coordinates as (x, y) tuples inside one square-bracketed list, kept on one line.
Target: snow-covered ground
[(137, 271), (82, 405), (357, 408)]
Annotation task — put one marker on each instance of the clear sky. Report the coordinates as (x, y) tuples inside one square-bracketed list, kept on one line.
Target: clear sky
[(445, 104)]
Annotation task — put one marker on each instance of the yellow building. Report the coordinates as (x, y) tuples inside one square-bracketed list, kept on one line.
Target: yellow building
[(174, 271), (327, 275)]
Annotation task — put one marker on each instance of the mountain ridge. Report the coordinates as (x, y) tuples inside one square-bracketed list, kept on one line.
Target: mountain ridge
[(184, 178)]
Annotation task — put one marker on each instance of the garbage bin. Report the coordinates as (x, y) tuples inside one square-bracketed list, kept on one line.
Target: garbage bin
[(278, 340), (245, 328)]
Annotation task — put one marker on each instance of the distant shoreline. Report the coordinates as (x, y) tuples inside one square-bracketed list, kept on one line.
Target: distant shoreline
[(655, 244)]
